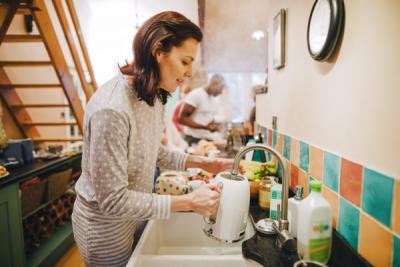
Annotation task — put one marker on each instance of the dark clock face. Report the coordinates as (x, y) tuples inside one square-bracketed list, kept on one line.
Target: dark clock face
[(324, 27)]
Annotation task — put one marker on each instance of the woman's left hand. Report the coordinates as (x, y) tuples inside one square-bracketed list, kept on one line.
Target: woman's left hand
[(217, 165)]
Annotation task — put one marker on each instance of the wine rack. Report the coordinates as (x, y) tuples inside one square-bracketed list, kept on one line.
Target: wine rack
[(40, 226)]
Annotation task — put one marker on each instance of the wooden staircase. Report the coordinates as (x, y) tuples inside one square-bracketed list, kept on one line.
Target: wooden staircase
[(50, 66)]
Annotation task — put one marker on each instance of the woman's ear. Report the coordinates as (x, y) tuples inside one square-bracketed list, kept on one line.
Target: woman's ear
[(157, 52), (159, 55)]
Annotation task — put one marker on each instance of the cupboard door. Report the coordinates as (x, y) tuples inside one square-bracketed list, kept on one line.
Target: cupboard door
[(12, 244)]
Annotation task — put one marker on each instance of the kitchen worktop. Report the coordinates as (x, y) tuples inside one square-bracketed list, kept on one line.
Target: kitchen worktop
[(38, 167), (262, 249), (180, 241)]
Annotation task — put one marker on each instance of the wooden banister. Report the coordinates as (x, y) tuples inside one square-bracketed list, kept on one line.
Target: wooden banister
[(7, 11), (11, 96), (70, 41), (48, 34), (22, 38), (75, 21)]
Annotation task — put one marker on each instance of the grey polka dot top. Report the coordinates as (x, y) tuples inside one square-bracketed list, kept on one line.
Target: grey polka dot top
[(122, 146)]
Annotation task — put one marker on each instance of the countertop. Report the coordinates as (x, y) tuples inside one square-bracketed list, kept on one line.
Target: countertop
[(262, 249), (38, 167)]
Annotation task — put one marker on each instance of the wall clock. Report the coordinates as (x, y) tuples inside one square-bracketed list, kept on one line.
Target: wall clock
[(325, 25)]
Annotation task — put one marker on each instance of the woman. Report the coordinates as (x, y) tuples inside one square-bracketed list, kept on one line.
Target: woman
[(122, 134)]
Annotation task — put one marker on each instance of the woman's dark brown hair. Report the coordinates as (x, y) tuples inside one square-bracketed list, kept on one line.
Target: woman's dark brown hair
[(158, 34)]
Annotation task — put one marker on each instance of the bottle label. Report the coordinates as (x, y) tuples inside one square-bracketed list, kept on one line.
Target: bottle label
[(320, 241), (319, 249), (276, 194)]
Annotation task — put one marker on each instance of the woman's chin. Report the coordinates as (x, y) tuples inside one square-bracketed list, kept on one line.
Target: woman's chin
[(171, 89)]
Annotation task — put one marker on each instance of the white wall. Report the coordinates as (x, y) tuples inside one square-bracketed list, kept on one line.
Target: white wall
[(113, 29), (351, 106), (228, 42)]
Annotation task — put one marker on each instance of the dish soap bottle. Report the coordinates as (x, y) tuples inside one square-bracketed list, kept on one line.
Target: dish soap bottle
[(314, 230), (276, 195), (293, 210)]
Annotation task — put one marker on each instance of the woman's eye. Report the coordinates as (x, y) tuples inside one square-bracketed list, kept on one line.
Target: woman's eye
[(185, 63)]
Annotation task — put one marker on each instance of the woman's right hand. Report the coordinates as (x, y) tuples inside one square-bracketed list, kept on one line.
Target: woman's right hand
[(205, 199)]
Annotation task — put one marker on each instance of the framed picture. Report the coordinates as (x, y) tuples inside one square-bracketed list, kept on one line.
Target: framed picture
[(279, 39)]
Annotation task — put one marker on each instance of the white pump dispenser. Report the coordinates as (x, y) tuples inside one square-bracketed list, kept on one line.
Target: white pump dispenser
[(314, 230)]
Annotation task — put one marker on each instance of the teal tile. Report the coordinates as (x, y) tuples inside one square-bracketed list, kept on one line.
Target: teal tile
[(274, 139), (396, 251), (377, 195), (349, 222), (265, 135), (331, 170), (286, 146), (279, 171), (304, 156)]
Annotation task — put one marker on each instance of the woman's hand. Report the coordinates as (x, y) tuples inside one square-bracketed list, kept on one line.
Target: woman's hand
[(217, 165), (212, 126), (205, 199)]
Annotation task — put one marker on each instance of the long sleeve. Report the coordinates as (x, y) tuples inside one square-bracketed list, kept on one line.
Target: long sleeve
[(171, 159), (109, 136)]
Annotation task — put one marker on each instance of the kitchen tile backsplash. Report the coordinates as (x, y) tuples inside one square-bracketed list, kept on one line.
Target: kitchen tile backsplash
[(331, 171), (378, 195), (351, 181), (396, 251), (304, 156), (365, 203), (375, 242), (396, 209), (349, 223), (316, 162)]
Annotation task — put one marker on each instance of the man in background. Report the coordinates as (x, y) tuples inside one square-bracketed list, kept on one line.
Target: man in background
[(199, 109)]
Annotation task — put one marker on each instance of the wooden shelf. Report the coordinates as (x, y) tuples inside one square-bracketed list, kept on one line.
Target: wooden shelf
[(52, 249)]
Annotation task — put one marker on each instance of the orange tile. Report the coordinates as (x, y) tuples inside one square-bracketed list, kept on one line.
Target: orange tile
[(294, 150), (294, 176), (375, 242), (350, 181), (269, 137), (316, 163), (333, 198), (280, 143), (304, 181), (288, 168), (396, 204)]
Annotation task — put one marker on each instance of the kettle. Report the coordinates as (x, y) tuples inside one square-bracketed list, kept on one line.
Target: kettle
[(229, 223)]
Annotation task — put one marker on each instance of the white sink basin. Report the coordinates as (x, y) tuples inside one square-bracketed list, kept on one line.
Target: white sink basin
[(180, 241)]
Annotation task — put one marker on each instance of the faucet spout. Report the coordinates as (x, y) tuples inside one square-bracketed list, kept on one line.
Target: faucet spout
[(283, 224)]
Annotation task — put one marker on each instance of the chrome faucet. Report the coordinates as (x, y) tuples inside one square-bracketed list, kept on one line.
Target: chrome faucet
[(281, 225)]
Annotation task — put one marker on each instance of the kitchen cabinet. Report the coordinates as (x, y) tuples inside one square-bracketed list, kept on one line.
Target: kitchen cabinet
[(12, 243), (12, 252)]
